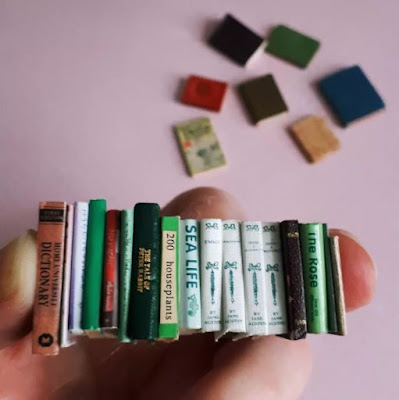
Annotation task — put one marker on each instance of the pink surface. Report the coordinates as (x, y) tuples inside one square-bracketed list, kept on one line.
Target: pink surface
[(88, 98)]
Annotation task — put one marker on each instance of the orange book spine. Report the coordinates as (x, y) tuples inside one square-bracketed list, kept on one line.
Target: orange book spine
[(50, 260)]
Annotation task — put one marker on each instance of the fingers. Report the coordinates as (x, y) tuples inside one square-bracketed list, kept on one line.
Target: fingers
[(358, 271), (17, 286)]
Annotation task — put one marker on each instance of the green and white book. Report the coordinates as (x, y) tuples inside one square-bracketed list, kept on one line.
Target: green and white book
[(190, 289), (126, 249), (275, 286), (169, 301), (233, 297), (211, 274), (254, 278)]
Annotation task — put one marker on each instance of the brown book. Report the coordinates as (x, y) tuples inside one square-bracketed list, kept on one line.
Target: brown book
[(50, 260)]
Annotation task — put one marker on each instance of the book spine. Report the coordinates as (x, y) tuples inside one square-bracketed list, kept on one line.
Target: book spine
[(254, 278), (211, 274), (332, 313), (338, 286), (125, 272), (169, 304), (109, 316), (314, 277), (233, 299), (78, 266), (50, 259), (275, 286), (66, 281), (94, 266), (190, 289), (293, 276), (143, 322)]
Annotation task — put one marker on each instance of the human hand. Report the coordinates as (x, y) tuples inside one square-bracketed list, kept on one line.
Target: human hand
[(193, 368)]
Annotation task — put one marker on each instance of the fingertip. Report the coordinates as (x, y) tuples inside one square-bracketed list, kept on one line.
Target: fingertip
[(359, 273), (205, 202)]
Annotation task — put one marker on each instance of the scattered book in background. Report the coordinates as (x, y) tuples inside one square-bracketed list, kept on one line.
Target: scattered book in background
[(199, 146), (176, 277)]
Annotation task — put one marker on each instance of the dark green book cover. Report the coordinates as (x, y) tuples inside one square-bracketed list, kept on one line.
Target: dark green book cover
[(143, 322), (332, 313), (93, 277)]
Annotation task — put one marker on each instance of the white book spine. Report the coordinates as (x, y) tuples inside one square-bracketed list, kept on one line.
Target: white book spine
[(78, 264), (254, 278), (190, 289), (211, 274), (66, 280), (233, 298), (275, 286)]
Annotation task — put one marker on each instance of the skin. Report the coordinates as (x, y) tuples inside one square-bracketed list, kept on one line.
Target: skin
[(193, 368)]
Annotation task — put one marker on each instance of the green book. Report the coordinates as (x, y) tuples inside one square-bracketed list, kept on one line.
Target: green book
[(169, 304), (292, 46), (94, 260), (314, 274), (126, 249), (332, 312), (143, 321)]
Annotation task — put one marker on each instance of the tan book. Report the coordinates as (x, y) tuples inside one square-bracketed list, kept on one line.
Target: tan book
[(50, 260)]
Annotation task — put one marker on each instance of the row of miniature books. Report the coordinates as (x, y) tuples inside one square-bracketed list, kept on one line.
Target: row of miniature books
[(134, 275)]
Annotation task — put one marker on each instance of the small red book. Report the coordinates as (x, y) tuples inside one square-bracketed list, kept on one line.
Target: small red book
[(204, 92), (110, 281)]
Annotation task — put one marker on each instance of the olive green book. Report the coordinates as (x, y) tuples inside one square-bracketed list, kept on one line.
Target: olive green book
[(94, 260), (143, 320), (332, 312), (126, 243), (169, 304), (314, 276)]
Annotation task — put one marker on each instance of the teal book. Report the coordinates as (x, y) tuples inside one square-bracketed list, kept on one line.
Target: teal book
[(93, 278), (314, 276), (126, 250), (143, 320), (332, 312), (169, 296)]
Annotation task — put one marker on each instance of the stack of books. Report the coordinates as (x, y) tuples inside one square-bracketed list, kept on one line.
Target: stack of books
[(134, 275)]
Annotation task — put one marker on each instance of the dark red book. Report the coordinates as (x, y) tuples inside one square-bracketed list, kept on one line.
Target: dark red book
[(205, 93), (110, 283)]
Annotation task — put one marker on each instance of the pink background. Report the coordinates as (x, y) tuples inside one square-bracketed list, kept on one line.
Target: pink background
[(88, 97)]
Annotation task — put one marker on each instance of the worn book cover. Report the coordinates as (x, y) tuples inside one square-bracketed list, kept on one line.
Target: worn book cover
[(143, 322), (314, 277), (275, 286), (50, 260), (126, 249), (94, 267), (190, 287), (211, 259), (109, 315), (233, 297), (81, 215), (199, 146), (293, 276), (254, 278), (169, 304)]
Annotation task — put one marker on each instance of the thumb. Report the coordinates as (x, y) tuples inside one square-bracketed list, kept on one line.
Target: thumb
[(17, 287)]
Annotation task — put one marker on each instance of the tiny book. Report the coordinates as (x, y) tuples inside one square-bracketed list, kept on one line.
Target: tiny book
[(236, 41), (199, 146), (262, 98), (292, 46), (205, 93), (350, 95)]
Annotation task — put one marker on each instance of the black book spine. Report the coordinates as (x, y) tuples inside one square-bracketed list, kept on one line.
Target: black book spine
[(293, 275)]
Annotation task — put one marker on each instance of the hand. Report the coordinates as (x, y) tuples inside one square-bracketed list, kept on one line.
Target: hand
[(192, 368)]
